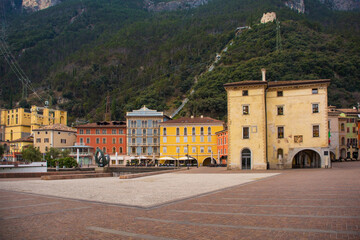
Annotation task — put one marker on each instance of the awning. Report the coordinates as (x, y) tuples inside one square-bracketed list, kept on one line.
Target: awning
[(167, 159), (187, 158)]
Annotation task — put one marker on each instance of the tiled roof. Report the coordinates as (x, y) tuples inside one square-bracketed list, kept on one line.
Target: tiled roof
[(277, 83), (195, 120), (104, 124), (24, 139), (56, 127), (298, 82)]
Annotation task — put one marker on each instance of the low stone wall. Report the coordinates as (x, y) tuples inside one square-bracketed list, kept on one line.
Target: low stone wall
[(39, 167), (137, 175), (137, 169), (76, 176), (34, 175)]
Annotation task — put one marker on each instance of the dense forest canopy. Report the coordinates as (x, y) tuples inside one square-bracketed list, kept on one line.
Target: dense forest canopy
[(78, 52)]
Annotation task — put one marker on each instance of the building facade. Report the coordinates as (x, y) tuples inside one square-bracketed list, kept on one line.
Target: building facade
[(192, 137), (334, 133), (16, 147), (108, 136), (143, 133), (278, 124), (222, 146), (54, 136), (19, 122)]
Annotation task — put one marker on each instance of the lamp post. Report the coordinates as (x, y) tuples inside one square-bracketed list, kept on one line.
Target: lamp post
[(187, 154)]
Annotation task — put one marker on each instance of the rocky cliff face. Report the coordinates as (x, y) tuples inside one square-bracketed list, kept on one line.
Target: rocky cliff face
[(36, 5), (173, 5), (342, 5), (297, 5)]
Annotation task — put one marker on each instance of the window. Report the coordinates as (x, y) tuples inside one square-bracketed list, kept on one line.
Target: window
[(201, 131), (164, 131), (155, 140), (177, 131), (114, 150), (113, 131), (81, 140), (194, 149), (144, 131), (280, 132), (114, 140), (155, 149), (104, 140), (87, 140), (209, 138), (133, 140), (193, 131), (245, 93), (177, 139), (120, 150), (280, 110), (209, 130), (314, 91), (201, 138), (342, 141), (316, 130), (97, 140), (185, 139), (46, 148), (342, 127), (280, 93), (87, 131), (193, 139), (347, 130), (97, 131), (121, 131), (225, 151), (202, 150), (104, 131), (315, 108), (38, 140), (354, 130), (81, 131), (224, 140), (185, 131), (144, 140), (245, 109), (280, 154), (164, 150), (133, 150), (104, 149), (120, 140), (164, 139), (177, 149), (144, 150), (246, 133), (133, 132), (185, 150), (46, 140), (209, 149), (59, 133), (155, 131)]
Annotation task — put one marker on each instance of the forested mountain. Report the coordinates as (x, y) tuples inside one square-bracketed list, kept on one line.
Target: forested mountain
[(77, 52)]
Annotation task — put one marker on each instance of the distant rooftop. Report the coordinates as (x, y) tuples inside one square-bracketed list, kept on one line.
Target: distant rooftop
[(193, 120), (277, 83), (56, 127), (144, 112), (104, 124), (23, 139)]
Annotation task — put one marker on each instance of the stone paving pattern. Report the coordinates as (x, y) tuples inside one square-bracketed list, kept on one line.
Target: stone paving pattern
[(297, 204)]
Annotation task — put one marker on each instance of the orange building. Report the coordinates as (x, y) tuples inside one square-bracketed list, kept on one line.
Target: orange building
[(222, 145), (109, 137)]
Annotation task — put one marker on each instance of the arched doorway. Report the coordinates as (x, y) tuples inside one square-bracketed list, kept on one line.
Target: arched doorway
[(332, 156), (343, 153), (208, 162), (306, 159), (246, 159)]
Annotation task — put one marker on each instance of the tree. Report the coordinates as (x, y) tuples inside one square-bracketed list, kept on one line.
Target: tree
[(31, 154), (52, 154)]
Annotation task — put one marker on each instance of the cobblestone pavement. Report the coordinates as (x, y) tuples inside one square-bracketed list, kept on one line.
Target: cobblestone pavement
[(297, 204)]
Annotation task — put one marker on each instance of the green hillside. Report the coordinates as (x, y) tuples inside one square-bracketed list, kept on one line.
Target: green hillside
[(79, 51)]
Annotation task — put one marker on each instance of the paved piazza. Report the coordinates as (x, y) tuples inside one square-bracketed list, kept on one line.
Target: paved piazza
[(204, 203)]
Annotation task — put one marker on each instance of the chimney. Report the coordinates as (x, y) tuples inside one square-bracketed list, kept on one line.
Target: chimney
[(263, 71)]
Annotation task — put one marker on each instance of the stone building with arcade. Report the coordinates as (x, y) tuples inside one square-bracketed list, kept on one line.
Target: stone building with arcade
[(277, 125)]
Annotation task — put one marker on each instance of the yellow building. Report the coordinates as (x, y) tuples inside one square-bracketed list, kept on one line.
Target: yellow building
[(19, 122), (16, 147), (277, 124), (192, 138)]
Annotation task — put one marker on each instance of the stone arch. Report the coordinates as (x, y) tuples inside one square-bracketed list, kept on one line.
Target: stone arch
[(246, 158), (343, 153), (306, 158), (207, 161), (332, 156)]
